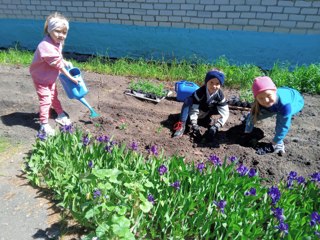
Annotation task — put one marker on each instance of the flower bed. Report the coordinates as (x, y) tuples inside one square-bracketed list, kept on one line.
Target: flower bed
[(119, 193)]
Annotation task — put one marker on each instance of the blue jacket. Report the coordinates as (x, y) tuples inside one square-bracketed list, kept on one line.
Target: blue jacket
[(289, 102)]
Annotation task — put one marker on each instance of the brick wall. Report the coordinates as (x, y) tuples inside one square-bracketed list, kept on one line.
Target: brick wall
[(296, 17)]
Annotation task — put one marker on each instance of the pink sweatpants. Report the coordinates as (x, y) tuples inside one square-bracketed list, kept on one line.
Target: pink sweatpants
[(48, 96)]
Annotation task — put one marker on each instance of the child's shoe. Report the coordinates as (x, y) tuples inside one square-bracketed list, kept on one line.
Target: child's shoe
[(179, 128), (63, 120), (279, 148), (47, 129)]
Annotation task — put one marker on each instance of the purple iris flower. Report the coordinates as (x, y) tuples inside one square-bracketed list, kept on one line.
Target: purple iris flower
[(215, 160), (151, 198), (289, 184), (103, 139), (242, 170), (292, 175), (90, 164), (275, 194), (251, 192), (66, 129), (201, 166), (315, 219), (42, 135), (252, 172), (315, 177), (96, 193), (278, 213), (283, 227), (233, 159), (85, 140), (301, 180), (176, 185), (221, 205), (134, 146), (162, 169), (154, 150)]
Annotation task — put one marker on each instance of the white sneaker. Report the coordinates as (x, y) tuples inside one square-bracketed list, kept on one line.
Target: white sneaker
[(279, 148), (47, 129), (63, 120)]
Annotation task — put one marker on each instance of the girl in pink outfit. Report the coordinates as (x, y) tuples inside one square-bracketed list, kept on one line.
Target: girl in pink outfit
[(47, 63)]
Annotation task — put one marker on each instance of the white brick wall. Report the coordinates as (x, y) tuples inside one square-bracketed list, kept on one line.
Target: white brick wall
[(299, 17)]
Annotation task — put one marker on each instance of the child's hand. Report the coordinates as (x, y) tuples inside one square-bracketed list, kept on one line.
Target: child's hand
[(196, 132), (68, 64), (213, 130)]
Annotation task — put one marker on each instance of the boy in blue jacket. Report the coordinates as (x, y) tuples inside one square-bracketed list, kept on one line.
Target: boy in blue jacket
[(206, 101), (283, 102)]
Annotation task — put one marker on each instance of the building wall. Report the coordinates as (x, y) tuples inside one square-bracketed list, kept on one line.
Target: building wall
[(175, 28)]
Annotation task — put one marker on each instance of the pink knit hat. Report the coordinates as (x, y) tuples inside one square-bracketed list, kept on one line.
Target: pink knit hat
[(261, 84)]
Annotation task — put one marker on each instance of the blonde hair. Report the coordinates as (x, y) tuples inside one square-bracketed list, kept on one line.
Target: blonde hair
[(57, 16), (255, 110)]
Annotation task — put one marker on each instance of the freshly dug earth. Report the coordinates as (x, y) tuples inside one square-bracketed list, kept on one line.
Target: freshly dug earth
[(128, 119)]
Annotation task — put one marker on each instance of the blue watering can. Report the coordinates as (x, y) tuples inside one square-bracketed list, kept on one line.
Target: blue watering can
[(75, 91)]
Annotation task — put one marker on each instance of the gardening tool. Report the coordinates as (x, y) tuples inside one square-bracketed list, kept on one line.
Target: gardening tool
[(76, 91)]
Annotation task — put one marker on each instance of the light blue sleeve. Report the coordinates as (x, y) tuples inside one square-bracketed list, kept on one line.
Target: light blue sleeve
[(282, 127)]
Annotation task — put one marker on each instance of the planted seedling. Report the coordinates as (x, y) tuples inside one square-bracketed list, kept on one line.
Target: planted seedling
[(150, 89)]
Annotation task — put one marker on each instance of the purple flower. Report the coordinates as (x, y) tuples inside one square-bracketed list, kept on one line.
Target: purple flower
[(221, 205), (242, 170), (134, 146), (103, 139), (162, 169), (42, 135), (201, 166), (233, 159), (251, 192), (176, 185), (96, 193), (252, 172), (292, 175), (301, 180), (90, 164), (154, 150), (215, 160), (66, 129), (151, 198), (283, 227), (278, 213), (289, 183), (315, 177), (85, 140), (275, 194), (315, 219)]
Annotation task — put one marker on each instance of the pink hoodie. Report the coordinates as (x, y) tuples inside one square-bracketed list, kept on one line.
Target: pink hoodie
[(47, 62)]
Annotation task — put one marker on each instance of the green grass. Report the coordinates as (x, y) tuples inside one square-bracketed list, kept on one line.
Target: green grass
[(305, 78)]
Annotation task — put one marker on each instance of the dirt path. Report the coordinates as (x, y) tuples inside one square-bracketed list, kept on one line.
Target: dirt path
[(26, 211)]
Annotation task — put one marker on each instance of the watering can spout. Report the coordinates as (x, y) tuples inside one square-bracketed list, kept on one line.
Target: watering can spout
[(93, 114)]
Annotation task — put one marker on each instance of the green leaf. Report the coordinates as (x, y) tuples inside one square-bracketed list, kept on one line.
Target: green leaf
[(111, 174)]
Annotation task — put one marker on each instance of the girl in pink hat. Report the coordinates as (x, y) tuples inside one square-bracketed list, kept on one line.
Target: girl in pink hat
[(283, 102), (47, 63)]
